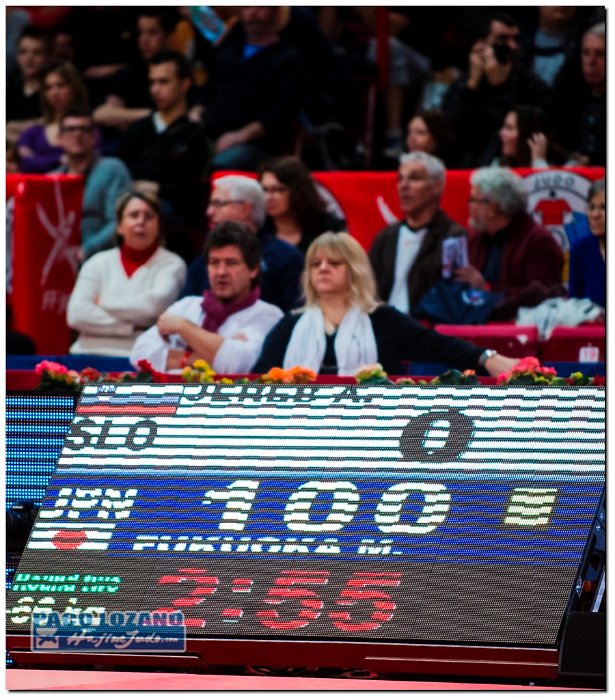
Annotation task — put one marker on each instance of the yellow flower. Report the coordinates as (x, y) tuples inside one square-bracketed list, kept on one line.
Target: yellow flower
[(202, 364)]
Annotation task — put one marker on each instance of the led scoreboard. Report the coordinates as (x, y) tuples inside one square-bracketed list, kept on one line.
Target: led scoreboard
[(425, 514)]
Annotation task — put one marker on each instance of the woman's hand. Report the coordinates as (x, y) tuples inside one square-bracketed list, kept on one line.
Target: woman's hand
[(498, 364), (538, 144)]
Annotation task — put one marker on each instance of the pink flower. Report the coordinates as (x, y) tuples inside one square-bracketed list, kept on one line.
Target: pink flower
[(501, 379), (52, 367), (527, 364), (548, 371)]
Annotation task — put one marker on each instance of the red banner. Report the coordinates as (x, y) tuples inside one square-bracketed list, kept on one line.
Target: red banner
[(368, 200), (46, 239)]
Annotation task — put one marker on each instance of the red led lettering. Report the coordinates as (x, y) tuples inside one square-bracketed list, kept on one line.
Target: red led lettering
[(360, 590), (302, 604)]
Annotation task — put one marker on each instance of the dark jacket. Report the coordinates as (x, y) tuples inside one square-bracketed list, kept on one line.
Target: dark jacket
[(175, 159), (427, 268), (477, 115), (398, 338), (530, 266), (266, 88)]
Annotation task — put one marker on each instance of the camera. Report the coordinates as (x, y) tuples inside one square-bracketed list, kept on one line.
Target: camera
[(502, 53)]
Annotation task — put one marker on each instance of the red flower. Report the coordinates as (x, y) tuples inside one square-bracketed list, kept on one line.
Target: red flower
[(145, 366), (599, 380), (89, 374), (158, 377)]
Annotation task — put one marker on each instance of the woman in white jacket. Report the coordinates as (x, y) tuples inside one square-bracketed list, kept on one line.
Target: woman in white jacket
[(121, 292)]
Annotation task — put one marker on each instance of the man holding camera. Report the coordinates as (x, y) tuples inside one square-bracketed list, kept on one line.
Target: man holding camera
[(495, 82)]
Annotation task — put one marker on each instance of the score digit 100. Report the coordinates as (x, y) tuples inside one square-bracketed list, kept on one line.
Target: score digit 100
[(296, 599)]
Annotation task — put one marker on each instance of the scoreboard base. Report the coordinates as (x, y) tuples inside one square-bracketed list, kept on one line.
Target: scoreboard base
[(416, 660)]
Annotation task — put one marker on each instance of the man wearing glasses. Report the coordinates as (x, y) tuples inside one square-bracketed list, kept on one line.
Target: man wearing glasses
[(241, 199), (509, 252), (407, 256), (105, 179)]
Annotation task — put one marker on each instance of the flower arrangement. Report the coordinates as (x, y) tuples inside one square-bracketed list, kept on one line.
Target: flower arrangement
[(200, 372), (453, 377), (372, 374), (294, 375), (56, 377), (375, 374), (529, 371)]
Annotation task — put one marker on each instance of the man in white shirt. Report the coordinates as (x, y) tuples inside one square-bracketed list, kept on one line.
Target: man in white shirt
[(227, 325), (407, 256)]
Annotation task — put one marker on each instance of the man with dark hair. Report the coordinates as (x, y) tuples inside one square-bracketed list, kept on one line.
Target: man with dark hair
[(128, 97), (241, 199), (228, 324), (255, 91), (105, 179), (166, 152), (495, 82), (23, 108)]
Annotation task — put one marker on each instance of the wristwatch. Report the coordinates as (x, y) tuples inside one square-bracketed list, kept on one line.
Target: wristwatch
[(482, 360)]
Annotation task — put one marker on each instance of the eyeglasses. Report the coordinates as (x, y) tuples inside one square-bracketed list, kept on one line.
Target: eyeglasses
[(276, 189), (477, 200), (77, 129), (219, 203)]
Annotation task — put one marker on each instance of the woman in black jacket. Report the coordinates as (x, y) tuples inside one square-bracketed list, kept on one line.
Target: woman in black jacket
[(343, 327)]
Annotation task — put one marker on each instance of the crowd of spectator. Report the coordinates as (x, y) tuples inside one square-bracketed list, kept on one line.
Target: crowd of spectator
[(149, 102)]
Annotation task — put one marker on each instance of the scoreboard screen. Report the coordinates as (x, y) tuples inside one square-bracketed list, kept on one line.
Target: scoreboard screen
[(416, 514)]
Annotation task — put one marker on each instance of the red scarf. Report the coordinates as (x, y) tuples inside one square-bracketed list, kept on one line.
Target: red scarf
[(216, 312), (132, 259)]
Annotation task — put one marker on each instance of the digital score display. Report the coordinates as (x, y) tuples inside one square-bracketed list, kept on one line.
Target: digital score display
[(416, 514)]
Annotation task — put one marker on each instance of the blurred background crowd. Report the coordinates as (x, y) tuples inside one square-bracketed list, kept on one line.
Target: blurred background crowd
[(157, 99)]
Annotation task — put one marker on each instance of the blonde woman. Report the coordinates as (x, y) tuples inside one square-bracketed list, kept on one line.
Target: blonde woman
[(343, 326)]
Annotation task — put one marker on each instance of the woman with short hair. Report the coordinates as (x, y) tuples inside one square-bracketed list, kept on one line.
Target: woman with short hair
[(121, 292), (343, 326)]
